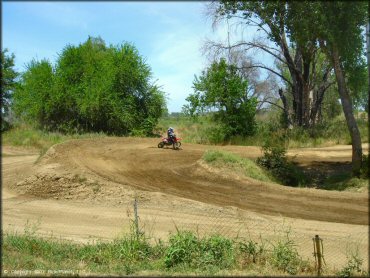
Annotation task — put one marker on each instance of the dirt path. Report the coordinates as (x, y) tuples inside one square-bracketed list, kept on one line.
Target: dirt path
[(84, 189), (115, 164)]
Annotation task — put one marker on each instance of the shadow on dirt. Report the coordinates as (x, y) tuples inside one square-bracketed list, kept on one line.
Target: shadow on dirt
[(328, 175)]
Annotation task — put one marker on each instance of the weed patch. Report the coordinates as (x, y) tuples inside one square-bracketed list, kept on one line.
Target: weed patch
[(203, 130), (236, 163), (27, 136), (344, 181), (184, 253)]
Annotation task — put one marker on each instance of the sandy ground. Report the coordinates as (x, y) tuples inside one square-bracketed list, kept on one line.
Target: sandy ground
[(84, 190)]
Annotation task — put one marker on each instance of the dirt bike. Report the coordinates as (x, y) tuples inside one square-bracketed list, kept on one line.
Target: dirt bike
[(176, 143)]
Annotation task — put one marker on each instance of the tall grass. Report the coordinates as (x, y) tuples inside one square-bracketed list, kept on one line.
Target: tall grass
[(184, 253), (28, 136), (245, 166), (200, 131), (204, 130)]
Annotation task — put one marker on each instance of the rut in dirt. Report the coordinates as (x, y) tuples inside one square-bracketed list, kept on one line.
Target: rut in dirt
[(138, 163)]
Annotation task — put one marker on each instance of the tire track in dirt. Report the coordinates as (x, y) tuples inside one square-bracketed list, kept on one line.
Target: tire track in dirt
[(139, 164)]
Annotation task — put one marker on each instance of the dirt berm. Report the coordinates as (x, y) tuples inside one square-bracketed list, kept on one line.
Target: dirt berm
[(111, 170)]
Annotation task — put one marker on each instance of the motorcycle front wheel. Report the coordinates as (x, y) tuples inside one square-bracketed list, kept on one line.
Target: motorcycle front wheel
[(160, 145), (176, 145)]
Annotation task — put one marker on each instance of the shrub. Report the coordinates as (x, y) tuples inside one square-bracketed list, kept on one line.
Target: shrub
[(217, 251), (188, 250), (252, 251), (285, 257), (353, 267), (364, 172), (274, 159), (181, 249), (91, 88)]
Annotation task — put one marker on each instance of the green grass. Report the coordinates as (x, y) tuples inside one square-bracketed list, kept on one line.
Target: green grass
[(184, 253), (344, 182), (27, 136), (200, 131), (238, 164), (204, 130)]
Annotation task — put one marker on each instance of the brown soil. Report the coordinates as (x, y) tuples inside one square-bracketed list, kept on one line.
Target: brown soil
[(85, 188)]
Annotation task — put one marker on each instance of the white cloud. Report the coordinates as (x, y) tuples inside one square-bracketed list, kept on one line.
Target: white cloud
[(175, 59)]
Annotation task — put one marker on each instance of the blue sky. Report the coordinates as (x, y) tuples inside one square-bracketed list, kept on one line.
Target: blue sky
[(168, 34)]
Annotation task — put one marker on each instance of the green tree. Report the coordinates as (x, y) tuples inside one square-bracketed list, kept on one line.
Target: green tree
[(305, 83), (221, 90), (338, 28), (335, 26), (323, 97), (95, 88), (32, 99), (358, 84), (8, 84)]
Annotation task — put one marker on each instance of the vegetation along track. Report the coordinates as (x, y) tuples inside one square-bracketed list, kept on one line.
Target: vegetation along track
[(139, 164)]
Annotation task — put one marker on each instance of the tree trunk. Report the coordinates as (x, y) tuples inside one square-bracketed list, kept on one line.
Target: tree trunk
[(286, 109), (299, 69), (368, 55), (306, 106), (315, 114), (348, 112)]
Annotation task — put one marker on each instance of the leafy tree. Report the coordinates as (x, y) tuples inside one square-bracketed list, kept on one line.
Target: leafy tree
[(358, 84), (93, 87), (321, 97), (305, 84), (8, 84), (221, 90), (337, 27), (32, 99)]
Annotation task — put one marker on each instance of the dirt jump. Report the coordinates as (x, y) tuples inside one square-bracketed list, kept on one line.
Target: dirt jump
[(84, 189)]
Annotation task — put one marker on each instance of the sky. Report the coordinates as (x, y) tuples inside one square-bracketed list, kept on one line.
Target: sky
[(168, 35)]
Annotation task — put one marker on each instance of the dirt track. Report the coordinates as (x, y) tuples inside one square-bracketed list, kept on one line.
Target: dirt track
[(82, 189), (140, 165)]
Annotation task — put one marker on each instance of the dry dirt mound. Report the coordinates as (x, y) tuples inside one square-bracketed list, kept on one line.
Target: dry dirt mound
[(112, 169)]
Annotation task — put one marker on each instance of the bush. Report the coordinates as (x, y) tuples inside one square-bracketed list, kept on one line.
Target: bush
[(274, 160), (91, 88), (353, 267), (285, 257), (188, 250), (217, 134), (5, 125), (252, 251), (364, 172), (181, 249), (216, 251)]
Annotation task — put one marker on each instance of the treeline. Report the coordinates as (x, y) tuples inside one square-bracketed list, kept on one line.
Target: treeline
[(313, 54), (91, 88)]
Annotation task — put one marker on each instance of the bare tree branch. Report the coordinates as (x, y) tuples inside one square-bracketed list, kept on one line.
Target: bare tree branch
[(271, 70), (251, 45), (272, 103)]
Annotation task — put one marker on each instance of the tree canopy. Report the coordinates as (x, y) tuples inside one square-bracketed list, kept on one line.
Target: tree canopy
[(92, 87), (305, 84), (222, 90), (8, 84)]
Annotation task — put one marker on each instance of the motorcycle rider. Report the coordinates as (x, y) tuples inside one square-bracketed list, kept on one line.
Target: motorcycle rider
[(171, 135)]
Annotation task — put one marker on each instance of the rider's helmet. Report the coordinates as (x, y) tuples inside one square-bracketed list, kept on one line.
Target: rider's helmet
[(170, 129)]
